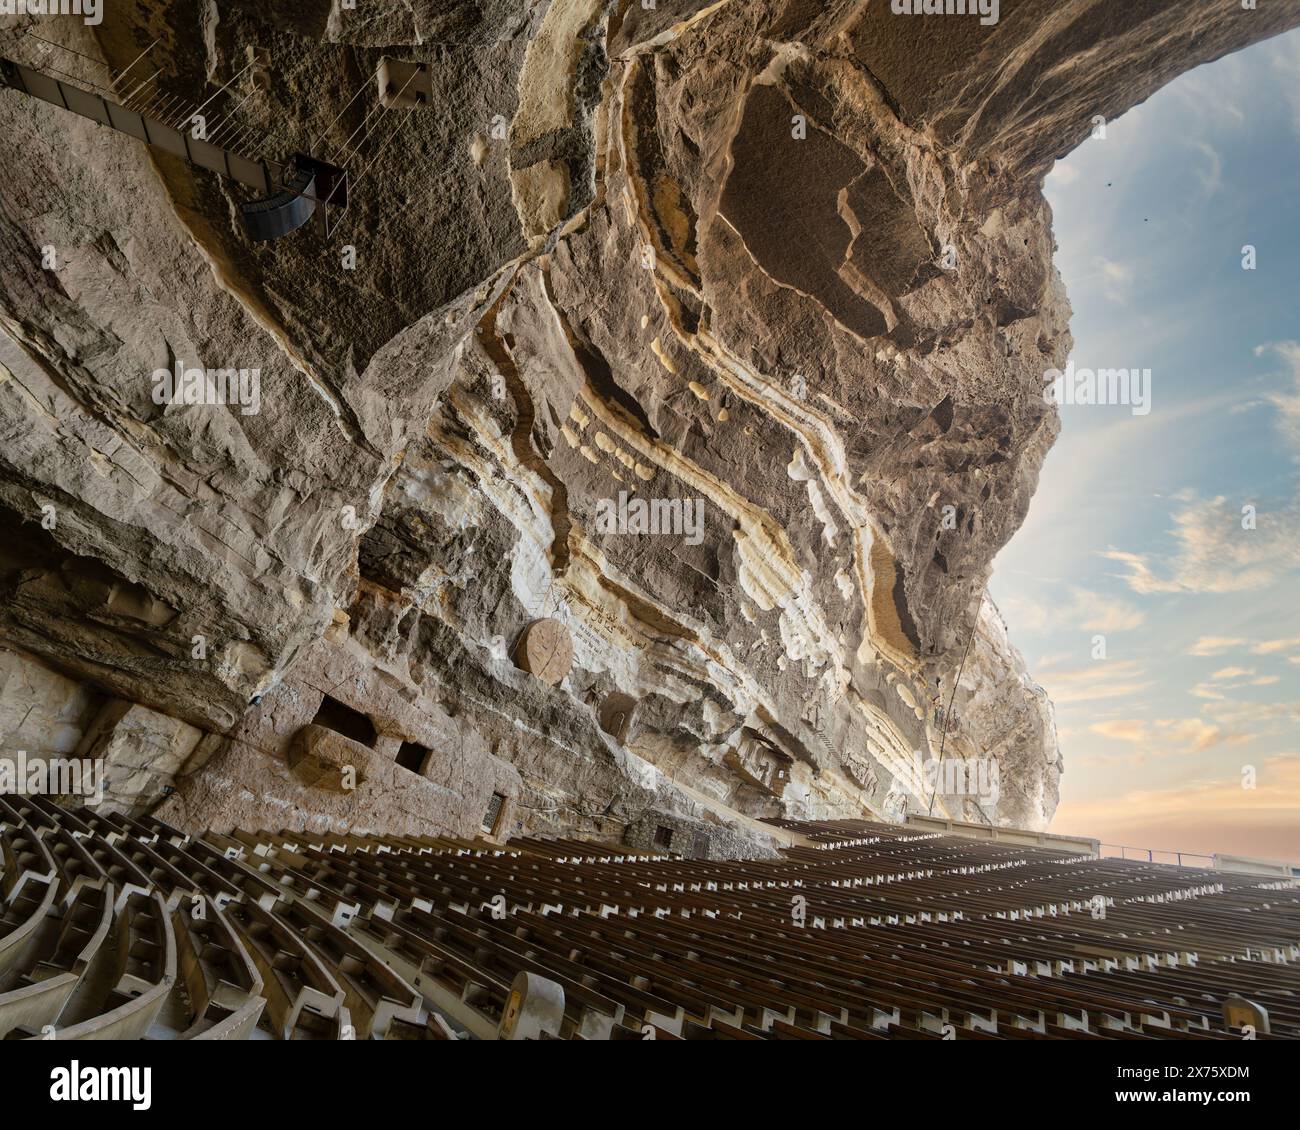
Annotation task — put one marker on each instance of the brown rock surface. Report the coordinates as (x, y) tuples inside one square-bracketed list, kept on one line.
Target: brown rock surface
[(702, 269)]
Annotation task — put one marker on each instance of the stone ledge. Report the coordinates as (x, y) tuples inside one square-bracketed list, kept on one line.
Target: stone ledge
[(321, 759)]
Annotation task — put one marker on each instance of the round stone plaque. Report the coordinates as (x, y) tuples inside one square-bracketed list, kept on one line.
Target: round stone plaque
[(546, 650)]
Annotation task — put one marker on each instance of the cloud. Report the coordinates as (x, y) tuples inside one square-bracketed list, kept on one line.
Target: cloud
[(1111, 615), (1212, 175), (1083, 610), (1228, 679), (1221, 645), (1286, 402), (1200, 735), (1168, 735), (1201, 815), (1097, 681), (1080, 469), (1215, 95), (1116, 278), (1064, 173), (1124, 730), (1213, 553), (1231, 713), (1262, 720), (1231, 673), (1285, 60), (1272, 647), (1140, 578), (1216, 645)]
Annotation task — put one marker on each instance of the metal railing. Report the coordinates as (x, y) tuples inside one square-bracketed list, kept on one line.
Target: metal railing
[(1107, 851)]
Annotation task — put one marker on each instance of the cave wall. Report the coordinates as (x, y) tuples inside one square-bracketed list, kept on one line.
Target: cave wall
[(782, 266)]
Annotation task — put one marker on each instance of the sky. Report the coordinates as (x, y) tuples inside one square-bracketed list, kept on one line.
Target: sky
[(1180, 729)]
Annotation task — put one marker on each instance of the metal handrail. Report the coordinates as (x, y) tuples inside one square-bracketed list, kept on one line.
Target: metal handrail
[(1151, 853)]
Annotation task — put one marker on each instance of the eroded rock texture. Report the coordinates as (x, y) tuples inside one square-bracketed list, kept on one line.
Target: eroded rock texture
[(784, 263)]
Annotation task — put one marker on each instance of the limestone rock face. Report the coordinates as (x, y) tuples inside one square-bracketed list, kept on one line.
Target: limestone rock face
[(141, 751), (713, 331)]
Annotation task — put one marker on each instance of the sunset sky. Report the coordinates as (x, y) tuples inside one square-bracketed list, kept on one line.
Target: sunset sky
[(1135, 532)]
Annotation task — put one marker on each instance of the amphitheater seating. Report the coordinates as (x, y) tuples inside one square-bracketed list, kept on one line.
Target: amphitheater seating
[(120, 928)]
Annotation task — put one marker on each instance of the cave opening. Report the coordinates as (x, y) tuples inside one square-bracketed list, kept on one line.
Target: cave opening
[(342, 719), (412, 757)]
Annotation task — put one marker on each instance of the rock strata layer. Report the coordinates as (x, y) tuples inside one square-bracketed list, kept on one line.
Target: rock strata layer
[(712, 333)]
